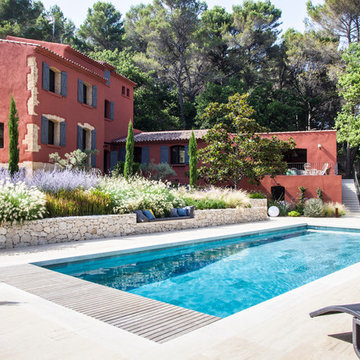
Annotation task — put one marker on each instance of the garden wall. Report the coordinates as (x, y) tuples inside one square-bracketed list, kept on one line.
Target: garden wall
[(56, 230)]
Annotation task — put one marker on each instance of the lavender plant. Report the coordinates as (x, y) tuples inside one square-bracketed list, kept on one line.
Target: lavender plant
[(58, 180)]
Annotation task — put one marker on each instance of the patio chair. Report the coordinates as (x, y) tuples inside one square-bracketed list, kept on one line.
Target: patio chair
[(307, 168), (324, 169), (352, 309)]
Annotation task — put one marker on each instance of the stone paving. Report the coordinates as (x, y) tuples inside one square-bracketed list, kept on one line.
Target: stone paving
[(280, 328)]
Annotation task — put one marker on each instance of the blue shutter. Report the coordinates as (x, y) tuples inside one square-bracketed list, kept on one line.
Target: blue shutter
[(122, 154), (111, 110), (164, 154), (80, 91), (63, 83), (63, 133), (107, 76), (94, 96), (44, 130), (93, 147), (113, 159), (186, 154), (145, 154), (79, 137), (45, 76)]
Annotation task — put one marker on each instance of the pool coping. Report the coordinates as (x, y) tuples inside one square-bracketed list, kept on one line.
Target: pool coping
[(226, 327)]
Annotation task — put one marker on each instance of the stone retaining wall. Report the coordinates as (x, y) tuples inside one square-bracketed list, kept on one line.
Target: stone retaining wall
[(56, 230)]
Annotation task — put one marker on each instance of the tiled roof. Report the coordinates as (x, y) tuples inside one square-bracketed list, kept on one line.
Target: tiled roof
[(164, 136)]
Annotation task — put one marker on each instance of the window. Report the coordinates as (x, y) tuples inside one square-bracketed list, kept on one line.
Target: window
[(84, 139), (178, 154), (54, 80), (127, 92), (137, 154), (107, 109), (51, 80), (1, 135), (296, 156), (87, 94), (51, 133), (123, 90)]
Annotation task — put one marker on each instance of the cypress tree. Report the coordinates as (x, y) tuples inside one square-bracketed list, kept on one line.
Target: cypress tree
[(129, 159), (13, 138), (193, 161)]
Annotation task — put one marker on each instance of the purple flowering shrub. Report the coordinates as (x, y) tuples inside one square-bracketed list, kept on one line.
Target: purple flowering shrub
[(62, 180)]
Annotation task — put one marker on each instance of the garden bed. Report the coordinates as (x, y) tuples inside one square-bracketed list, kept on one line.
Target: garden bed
[(76, 228)]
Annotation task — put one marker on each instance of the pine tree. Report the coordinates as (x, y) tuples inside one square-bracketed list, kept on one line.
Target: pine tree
[(193, 161), (13, 138), (129, 159)]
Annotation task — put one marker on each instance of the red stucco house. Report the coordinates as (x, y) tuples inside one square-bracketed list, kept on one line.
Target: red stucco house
[(66, 100)]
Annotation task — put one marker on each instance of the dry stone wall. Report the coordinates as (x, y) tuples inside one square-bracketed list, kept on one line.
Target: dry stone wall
[(56, 230)]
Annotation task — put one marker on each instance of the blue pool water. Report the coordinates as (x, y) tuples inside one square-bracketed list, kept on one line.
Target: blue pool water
[(223, 277)]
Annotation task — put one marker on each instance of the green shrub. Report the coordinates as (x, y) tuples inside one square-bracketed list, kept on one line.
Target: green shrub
[(19, 203), (119, 168), (203, 204), (157, 172), (314, 208), (294, 213), (329, 209), (257, 195), (78, 203), (319, 193), (299, 207)]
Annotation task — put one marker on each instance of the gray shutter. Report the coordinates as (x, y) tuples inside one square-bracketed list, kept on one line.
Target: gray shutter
[(44, 130), (111, 110), (164, 154), (63, 133), (107, 76), (94, 96), (80, 91), (113, 159), (93, 147), (79, 137), (45, 76), (186, 154), (145, 150), (63, 83), (122, 154)]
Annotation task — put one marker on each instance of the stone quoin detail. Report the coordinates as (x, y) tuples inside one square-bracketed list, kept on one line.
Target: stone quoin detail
[(32, 79)]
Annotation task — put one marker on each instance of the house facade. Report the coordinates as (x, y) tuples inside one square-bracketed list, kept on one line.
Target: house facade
[(312, 164), (67, 101)]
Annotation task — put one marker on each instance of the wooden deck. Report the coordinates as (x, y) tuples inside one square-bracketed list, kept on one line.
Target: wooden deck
[(145, 317)]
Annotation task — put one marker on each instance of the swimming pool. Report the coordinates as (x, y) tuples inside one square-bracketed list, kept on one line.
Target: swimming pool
[(222, 277)]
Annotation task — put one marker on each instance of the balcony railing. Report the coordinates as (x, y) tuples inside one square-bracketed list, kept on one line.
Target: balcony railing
[(312, 168)]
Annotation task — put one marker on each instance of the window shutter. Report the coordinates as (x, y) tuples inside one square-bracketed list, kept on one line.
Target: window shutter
[(45, 76), (111, 110), (145, 150), (107, 76), (164, 154), (94, 96), (93, 147), (113, 159), (63, 83), (122, 154), (44, 130), (79, 137), (186, 154), (63, 133), (80, 91)]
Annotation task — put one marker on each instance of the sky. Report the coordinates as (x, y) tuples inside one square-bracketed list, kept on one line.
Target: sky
[(293, 11)]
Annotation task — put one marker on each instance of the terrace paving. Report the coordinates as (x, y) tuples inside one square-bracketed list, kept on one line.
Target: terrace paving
[(35, 328)]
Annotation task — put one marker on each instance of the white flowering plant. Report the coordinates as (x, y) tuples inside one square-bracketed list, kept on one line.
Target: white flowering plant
[(139, 194), (19, 203)]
